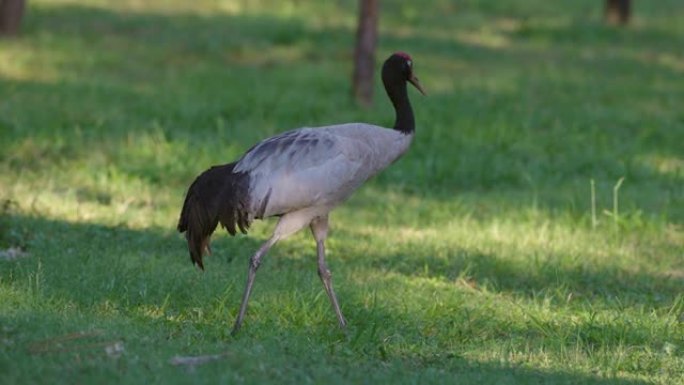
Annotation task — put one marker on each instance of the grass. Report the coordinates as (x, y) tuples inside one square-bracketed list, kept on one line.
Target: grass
[(475, 259)]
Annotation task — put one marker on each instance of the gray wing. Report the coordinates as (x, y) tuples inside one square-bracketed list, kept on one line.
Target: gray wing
[(303, 168)]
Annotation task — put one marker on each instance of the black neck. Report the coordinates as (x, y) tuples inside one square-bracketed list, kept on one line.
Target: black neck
[(404, 121)]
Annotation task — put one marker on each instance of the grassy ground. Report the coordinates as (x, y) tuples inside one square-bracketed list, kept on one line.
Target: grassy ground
[(475, 259)]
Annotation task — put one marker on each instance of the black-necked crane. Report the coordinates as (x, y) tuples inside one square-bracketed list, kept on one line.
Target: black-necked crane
[(298, 176)]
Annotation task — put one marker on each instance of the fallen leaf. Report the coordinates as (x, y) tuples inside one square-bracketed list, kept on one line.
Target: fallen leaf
[(115, 349), (12, 253)]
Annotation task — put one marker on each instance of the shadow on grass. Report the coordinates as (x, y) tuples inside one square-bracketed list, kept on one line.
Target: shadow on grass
[(287, 360), (137, 276), (181, 43), (103, 273), (132, 73), (548, 277), (118, 272), (598, 33)]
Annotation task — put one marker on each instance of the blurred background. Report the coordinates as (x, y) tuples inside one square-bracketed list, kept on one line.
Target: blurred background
[(528, 97), (544, 192)]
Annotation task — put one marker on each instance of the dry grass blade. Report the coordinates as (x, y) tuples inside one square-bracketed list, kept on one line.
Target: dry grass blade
[(192, 361), (75, 342), (57, 343)]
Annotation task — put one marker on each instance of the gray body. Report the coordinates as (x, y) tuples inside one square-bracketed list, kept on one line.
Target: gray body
[(306, 172)]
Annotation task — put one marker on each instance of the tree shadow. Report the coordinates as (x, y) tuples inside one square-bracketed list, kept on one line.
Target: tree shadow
[(174, 60), (103, 273), (174, 57), (547, 277), (550, 154), (246, 43), (90, 264)]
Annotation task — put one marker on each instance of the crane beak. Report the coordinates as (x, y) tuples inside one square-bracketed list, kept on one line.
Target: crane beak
[(414, 80)]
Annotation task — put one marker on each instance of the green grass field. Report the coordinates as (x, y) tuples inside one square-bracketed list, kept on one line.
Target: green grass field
[(474, 259)]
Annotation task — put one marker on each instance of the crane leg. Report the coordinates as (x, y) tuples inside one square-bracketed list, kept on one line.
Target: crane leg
[(319, 229), (254, 263)]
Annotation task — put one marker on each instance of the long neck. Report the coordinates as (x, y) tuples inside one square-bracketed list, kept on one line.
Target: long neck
[(404, 122)]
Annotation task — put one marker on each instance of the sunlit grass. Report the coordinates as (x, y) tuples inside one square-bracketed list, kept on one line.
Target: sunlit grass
[(474, 259)]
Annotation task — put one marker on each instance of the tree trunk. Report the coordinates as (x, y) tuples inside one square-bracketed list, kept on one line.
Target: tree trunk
[(618, 11), (364, 53), (11, 12)]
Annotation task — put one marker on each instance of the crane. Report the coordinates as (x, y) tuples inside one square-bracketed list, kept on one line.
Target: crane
[(298, 176)]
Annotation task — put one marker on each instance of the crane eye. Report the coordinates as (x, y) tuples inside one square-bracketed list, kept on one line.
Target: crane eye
[(409, 63)]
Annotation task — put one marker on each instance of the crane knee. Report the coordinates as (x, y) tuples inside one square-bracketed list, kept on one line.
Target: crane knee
[(254, 263), (324, 273)]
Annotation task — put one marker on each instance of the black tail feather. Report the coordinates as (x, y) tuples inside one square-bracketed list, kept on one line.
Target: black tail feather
[(217, 195)]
